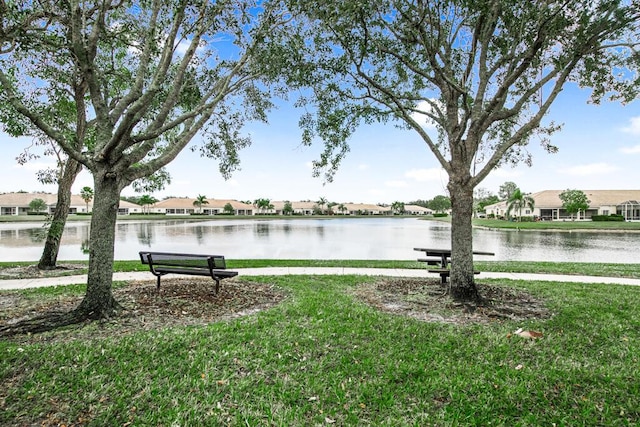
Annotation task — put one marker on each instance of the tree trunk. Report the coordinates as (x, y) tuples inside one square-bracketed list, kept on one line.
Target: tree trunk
[(98, 301), (51, 249), (463, 287)]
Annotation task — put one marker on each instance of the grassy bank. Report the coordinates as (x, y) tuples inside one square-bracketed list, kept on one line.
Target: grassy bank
[(324, 358), (559, 225)]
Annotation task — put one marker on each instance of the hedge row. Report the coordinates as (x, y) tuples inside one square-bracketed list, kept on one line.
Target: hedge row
[(607, 218)]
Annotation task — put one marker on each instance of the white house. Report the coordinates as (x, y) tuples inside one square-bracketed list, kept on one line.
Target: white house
[(18, 204), (185, 206), (548, 205)]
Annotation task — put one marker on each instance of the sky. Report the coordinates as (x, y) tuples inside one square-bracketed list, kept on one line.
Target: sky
[(599, 148)]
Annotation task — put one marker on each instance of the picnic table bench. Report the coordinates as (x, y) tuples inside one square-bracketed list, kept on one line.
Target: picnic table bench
[(441, 258), (161, 263)]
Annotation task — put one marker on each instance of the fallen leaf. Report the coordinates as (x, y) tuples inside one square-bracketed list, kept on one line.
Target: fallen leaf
[(329, 420), (528, 334)]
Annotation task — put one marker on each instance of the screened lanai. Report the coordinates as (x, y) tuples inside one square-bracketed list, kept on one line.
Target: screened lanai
[(630, 210)]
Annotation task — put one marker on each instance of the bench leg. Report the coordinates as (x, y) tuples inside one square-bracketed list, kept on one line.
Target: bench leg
[(443, 278), (158, 283), (217, 285)]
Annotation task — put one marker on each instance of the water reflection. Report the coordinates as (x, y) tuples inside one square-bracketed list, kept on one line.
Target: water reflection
[(362, 238), (144, 232)]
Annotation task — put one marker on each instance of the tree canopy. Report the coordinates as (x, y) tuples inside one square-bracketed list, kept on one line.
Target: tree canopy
[(123, 87), (482, 73), (574, 201)]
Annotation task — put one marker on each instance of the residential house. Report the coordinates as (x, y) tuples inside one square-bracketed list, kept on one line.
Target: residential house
[(185, 206), (548, 205), (18, 204), (417, 210)]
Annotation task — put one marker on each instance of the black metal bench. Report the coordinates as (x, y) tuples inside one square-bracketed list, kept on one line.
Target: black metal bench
[(161, 263)]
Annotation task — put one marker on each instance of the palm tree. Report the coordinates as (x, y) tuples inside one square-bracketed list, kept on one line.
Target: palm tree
[(342, 208), (199, 201), (519, 200), (397, 208), (87, 195), (321, 202), (262, 205)]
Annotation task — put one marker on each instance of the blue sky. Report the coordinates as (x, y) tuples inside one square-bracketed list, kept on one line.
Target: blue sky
[(599, 148)]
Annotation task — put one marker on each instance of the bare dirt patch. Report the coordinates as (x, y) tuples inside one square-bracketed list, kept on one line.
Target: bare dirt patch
[(427, 300), (33, 272), (180, 302)]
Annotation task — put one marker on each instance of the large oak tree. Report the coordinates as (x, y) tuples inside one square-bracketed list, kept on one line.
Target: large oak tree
[(485, 72), (143, 78)]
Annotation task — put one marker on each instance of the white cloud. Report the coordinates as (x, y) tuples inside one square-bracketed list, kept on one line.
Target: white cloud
[(634, 126), (631, 150), (363, 167), (422, 175), (506, 173), (590, 169), (425, 107), (396, 184)]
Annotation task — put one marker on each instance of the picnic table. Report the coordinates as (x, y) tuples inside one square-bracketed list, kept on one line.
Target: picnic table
[(441, 258)]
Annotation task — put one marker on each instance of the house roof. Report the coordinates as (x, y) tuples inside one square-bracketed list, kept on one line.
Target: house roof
[(23, 199), (187, 203), (416, 208), (597, 198), (551, 198)]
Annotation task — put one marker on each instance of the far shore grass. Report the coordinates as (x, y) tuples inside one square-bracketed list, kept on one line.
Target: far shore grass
[(323, 358), (477, 222)]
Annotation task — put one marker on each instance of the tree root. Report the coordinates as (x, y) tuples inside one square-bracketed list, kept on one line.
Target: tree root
[(55, 320)]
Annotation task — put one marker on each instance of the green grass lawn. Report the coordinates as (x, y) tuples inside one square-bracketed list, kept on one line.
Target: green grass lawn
[(324, 358), (559, 225)]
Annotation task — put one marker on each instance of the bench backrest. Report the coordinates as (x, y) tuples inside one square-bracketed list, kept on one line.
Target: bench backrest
[(184, 260)]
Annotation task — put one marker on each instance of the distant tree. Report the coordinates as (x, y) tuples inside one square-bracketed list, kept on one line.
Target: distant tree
[(482, 198), (37, 205), (574, 201), (199, 201), (145, 201), (397, 208), (440, 203), (263, 205), (342, 208), (423, 203), (228, 209), (87, 195), (506, 190), (287, 209), (518, 201), (321, 204)]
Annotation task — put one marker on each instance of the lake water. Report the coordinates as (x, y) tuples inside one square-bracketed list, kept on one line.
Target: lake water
[(348, 238)]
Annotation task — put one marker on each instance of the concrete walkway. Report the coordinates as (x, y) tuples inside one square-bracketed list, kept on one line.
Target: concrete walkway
[(278, 271)]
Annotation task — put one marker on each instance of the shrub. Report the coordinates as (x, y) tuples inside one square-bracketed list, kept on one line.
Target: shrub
[(612, 217), (440, 215)]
